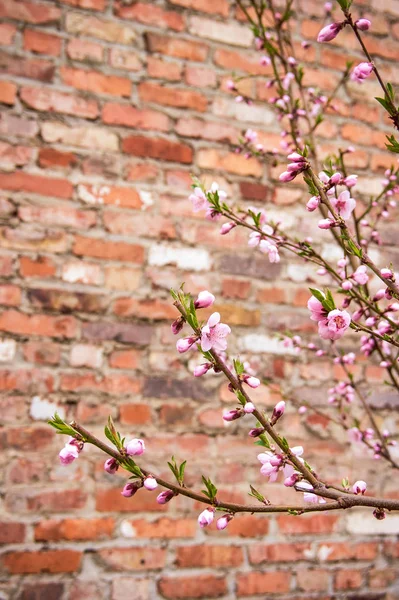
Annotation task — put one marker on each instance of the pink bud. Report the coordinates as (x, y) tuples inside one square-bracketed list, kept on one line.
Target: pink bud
[(386, 273), (226, 228), (202, 369), (287, 176), (346, 285), (363, 24), (177, 325), (256, 432), (232, 415), (379, 513), (278, 411), (291, 480), (165, 497), (336, 178), (223, 521), (206, 517), (329, 32), (302, 410), (130, 489), (150, 483), (185, 344), (295, 157), (326, 224), (68, 454), (313, 203), (204, 300), (253, 382), (111, 466), (135, 447), (249, 408), (359, 487)]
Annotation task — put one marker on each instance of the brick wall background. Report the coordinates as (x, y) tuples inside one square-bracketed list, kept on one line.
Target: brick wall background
[(107, 108)]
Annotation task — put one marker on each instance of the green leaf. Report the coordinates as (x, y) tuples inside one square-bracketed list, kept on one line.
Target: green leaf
[(238, 367), (211, 489), (353, 248), (263, 441), (255, 494), (240, 397), (393, 145), (61, 427), (313, 191), (384, 103), (317, 294), (284, 443)]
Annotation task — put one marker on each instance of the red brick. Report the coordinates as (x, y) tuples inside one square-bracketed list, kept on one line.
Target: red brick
[(133, 559), (129, 116), (51, 158), (307, 524), (200, 76), (360, 134), (51, 561), (42, 43), (236, 288), (252, 584), (261, 553), (97, 83), (157, 148), (11, 532), (217, 7), (124, 359), (88, 4), (82, 50), (31, 12), (208, 130), (179, 48), (8, 92), (42, 70), (139, 224), (165, 528), (74, 529), (124, 59), (315, 580), (237, 61), (6, 266), (58, 215), (7, 34), (144, 309), (248, 526), (344, 551), (179, 98), (162, 69), (99, 248), (44, 354), (36, 184), (114, 383), (111, 500), (348, 580), (57, 501), (197, 586), (10, 295), (44, 325), (209, 556), (135, 414), (29, 381), (39, 267), (52, 101), (150, 14)]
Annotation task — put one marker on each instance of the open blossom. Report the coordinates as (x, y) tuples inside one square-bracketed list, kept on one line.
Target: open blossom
[(335, 325), (198, 200), (317, 312), (214, 333), (135, 447), (359, 487), (250, 135), (361, 72), (204, 299), (329, 32), (267, 248), (206, 517), (215, 189), (68, 454), (355, 435), (344, 204), (308, 496), (360, 275)]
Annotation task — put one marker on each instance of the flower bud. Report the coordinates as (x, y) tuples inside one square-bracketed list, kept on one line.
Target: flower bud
[(111, 466), (386, 273), (359, 487), (68, 454), (232, 415), (204, 300), (206, 517), (253, 382), (346, 285), (177, 325), (135, 447), (249, 408), (291, 480), (278, 411), (286, 176), (223, 521), (150, 483), (226, 228), (130, 489), (363, 24), (329, 32), (256, 432), (202, 369), (313, 203), (326, 224), (379, 513), (185, 344), (336, 178), (165, 497)]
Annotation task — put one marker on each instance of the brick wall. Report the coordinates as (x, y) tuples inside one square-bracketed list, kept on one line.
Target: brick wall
[(107, 108)]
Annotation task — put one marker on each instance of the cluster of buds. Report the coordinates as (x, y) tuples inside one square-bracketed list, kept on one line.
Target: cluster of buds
[(273, 463), (71, 451), (298, 164), (341, 392), (207, 517)]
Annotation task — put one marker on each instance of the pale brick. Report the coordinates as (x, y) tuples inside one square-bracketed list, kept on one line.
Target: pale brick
[(84, 137), (184, 258), (234, 34)]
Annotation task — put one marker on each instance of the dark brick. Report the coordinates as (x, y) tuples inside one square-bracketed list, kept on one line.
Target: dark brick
[(67, 302), (253, 191), (251, 266), (120, 332), (167, 387), (42, 591)]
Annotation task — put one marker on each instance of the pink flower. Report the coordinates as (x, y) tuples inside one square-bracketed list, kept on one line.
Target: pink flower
[(267, 248), (150, 483), (202, 369), (359, 487), (223, 521), (313, 203), (130, 489), (317, 312), (335, 325), (265, 61), (344, 204), (111, 465), (253, 382), (198, 200), (360, 275), (214, 333), (204, 300), (165, 497), (250, 135), (68, 454), (215, 189), (135, 447), (226, 228), (346, 285), (361, 72), (206, 517), (329, 32), (363, 24), (326, 224), (185, 344), (291, 480), (249, 408), (286, 176), (350, 181), (386, 273)]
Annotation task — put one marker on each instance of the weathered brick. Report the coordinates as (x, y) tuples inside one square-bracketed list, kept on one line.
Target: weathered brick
[(151, 15), (42, 43), (52, 101), (8, 92), (108, 250), (30, 12), (91, 26), (50, 561), (83, 50), (95, 82), (209, 556), (262, 583), (157, 148), (36, 184), (199, 586), (53, 530), (177, 97), (16, 322), (133, 559), (176, 47), (129, 116), (34, 68)]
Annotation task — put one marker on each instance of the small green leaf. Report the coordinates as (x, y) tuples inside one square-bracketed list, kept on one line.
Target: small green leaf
[(255, 494)]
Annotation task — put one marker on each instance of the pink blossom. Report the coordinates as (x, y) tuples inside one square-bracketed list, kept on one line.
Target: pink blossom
[(363, 24), (386, 273), (302, 410), (291, 480), (268, 248), (346, 285), (185, 344), (204, 299), (350, 181), (359, 487), (214, 189), (344, 204), (253, 382), (250, 135), (278, 411), (328, 7), (286, 176), (130, 489), (335, 178), (214, 333), (249, 408), (230, 85), (165, 497), (226, 228), (206, 517), (362, 71), (111, 465), (223, 521), (326, 223), (68, 454), (313, 203), (265, 61), (198, 200), (335, 325), (317, 312), (231, 415), (354, 434), (360, 275), (329, 32), (150, 483), (202, 369), (135, 447)]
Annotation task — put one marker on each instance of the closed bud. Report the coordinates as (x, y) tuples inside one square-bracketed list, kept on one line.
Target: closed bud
[(291, 480), (185, 344), (177, 325), (202, 369), (249, 408), (226, 228), (253, 382), (363, 24), (256, 432), (359, 487), (135, 447), (278, 412), (313, 203), (379, 513), (232, 415), (204, 300), (206, 517), (150, 483), (111, 466), (386, 273), (130, 489), (223, 521), (165, 497)]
